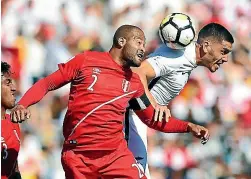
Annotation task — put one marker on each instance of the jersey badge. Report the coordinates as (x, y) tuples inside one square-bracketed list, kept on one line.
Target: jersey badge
[(125, 85)]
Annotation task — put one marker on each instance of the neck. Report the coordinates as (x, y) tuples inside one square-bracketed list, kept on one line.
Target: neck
[(3, 112), (116, 56)]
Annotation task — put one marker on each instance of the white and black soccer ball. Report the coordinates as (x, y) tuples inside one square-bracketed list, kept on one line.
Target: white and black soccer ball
[(176, 30)]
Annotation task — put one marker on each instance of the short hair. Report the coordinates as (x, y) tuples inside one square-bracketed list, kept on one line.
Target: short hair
[(5, 68), (124, 31), (216, 32)]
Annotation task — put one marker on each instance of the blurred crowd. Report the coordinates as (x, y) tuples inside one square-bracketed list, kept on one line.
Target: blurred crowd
[(36, 35)]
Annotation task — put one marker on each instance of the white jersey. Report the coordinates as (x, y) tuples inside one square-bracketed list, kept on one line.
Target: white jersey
[(174, 68)]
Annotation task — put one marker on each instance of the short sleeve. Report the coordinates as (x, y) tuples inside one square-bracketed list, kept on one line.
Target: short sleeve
[(159, 65), (70, 70)]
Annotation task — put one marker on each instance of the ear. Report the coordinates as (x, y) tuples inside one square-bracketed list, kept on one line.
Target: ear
[(121, 41), (205, 46)]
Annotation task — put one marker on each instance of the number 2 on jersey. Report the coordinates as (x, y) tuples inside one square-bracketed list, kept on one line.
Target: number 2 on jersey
[(93, 83)]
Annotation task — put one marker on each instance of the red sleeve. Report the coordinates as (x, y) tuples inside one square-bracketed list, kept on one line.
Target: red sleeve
[(64, 75), (172, 126), (41, 88), (70, 70)]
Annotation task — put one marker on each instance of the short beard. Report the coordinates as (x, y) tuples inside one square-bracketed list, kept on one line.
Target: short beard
[(132, 63), (128, 59)]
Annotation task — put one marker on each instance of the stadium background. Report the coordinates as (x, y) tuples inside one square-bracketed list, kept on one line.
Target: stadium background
[(37, 35)]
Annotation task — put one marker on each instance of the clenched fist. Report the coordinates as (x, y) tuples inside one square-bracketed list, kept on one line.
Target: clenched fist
[(19, 114)]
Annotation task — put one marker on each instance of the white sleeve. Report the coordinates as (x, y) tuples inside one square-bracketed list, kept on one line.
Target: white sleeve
[(159, 65)]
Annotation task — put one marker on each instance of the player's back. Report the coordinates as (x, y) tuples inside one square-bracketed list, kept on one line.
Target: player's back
[(10, 144), (98, 98), (173, 68)]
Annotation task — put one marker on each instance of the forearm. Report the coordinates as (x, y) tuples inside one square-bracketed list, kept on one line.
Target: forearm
[(146, 74), (144, 81), (34, 94), (41, 88), (172, 126)]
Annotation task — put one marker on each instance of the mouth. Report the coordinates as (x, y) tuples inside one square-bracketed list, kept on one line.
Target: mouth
[(218, 64), (13, 95), (140, 55)]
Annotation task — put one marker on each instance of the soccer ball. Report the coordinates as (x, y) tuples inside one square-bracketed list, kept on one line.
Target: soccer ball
[(176, 31)]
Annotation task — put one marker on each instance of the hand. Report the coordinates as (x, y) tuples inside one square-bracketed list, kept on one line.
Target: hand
[(199, 132), (19, 114), (160, 112)]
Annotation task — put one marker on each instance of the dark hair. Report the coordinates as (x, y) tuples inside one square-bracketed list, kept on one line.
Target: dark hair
[(5, 68), (215, 31), (123, 31)]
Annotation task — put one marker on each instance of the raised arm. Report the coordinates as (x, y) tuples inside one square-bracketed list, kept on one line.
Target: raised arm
[(41, 88), (147, 73), (66, 73), (145, 111)]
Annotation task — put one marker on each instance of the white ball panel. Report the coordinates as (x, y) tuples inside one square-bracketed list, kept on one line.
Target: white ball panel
[(186, 36), (169, 32)]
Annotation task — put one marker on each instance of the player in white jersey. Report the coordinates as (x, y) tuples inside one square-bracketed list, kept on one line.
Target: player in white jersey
[(172, 69)]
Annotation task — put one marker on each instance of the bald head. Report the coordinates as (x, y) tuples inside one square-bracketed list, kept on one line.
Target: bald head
[(125, 31), (128, 46)]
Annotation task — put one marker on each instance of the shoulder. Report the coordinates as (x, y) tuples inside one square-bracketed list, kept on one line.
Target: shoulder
[(95, 57), (167, 52), (94, 54), (166, 56), (163, 62), (88, 55)]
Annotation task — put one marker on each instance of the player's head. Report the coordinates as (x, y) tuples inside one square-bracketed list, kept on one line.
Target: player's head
[(131, 42), (8, 88), (214, 45)]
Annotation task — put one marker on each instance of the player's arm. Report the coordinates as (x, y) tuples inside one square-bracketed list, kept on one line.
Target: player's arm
[(16, 174), (66, 73), (145, 111), (147, 72)]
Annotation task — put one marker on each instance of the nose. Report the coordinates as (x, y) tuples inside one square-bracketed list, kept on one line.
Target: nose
[(143, 48), (13, 88)]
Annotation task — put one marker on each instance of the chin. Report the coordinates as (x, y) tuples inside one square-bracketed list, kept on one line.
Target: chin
[(136, 63), (13, 103), (213, 69)]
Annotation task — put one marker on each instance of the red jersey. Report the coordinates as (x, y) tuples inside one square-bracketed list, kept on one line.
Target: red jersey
[(99, 94), (10, 144)]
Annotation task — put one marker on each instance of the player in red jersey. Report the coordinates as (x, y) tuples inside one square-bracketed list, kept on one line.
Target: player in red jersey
[(102, 84), (10, 132)]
